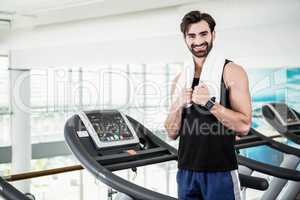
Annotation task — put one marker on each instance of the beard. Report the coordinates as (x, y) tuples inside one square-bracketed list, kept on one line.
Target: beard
[(201, 53)]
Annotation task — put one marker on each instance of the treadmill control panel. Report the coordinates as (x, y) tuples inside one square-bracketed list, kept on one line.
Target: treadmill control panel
[(284, 114), (108, 128)]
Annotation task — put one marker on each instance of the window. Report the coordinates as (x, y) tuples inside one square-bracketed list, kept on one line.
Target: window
[(140, 90), (4, 102), (53, 100)]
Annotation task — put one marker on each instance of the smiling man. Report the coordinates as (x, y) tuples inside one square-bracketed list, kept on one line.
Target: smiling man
[(207, 129)]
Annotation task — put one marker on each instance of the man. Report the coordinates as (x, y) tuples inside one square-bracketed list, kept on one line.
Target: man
[(206, 156)]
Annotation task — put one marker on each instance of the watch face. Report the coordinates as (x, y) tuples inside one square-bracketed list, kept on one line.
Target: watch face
[(210, 103)]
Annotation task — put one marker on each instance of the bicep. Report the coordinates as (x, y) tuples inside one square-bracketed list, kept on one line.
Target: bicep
[(239, 95)]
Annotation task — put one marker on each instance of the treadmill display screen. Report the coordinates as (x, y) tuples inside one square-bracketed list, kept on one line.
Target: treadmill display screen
[(110, 127)]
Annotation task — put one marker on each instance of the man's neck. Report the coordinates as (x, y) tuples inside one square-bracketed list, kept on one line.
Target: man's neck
[(198, 66)]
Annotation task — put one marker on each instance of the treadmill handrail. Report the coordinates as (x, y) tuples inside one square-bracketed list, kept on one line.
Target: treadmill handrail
[(272, 170), (102, 173), (253, 182), (278, 145), (138, 163), (8, 192)]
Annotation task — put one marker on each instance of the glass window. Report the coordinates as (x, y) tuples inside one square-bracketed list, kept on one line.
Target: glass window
[(119, 88), (155, 89), (137, 95), (39, 89), (56, 93), (4, 130), (74, 91), (52, 102), (4, 102), (90, 89), (48, 126), (4, 84), (280, 76), (5, 169)]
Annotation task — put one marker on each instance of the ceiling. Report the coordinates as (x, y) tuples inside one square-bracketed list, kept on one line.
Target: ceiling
[(81, 8), (25, 13)]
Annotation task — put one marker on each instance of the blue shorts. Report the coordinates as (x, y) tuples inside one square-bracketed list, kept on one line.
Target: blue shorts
[(194, 185)]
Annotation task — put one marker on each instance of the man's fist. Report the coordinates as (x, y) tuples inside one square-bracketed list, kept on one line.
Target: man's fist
[(200, 94), (186, 97)]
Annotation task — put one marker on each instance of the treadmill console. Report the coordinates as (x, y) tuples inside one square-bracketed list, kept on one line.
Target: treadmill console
[(108, 128), (285, 115)]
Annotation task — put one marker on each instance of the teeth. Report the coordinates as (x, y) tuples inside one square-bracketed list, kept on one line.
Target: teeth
[(200, 47)]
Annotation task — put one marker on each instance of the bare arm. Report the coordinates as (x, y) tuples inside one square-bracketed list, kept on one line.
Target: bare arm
[(238, 118), (173, 121)]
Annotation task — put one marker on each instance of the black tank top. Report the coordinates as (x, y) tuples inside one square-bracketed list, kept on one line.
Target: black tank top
[(204, 143)]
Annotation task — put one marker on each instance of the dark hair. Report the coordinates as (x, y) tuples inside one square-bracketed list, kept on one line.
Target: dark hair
[(194, 17)]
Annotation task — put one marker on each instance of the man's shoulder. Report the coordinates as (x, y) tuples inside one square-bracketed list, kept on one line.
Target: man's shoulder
[(233, 67), (234, 72)]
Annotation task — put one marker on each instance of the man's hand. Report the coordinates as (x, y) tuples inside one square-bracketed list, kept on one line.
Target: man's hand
[(186, 97), (200, 94)]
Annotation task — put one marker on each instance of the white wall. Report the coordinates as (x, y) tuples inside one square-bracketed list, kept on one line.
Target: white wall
[(254, 33), (130, 38)]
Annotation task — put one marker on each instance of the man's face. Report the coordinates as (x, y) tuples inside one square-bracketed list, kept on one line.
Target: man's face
[(199, 39)]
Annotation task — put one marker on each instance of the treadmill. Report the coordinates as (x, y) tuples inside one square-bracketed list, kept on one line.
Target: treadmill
[(105, 141), (8, 192), (284, 119), (267, 150)]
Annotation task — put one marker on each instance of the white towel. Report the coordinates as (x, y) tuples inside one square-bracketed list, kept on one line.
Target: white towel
[(211, 75)]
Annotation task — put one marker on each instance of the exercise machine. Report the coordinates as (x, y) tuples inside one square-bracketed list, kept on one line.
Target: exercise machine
[(7, 191), (284, 119), (107, 140)]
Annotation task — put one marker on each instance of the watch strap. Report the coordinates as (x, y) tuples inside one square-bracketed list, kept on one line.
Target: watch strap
[(210, 103)]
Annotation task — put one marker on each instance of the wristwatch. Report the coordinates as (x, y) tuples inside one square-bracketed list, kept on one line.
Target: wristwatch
[(210, 103)]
